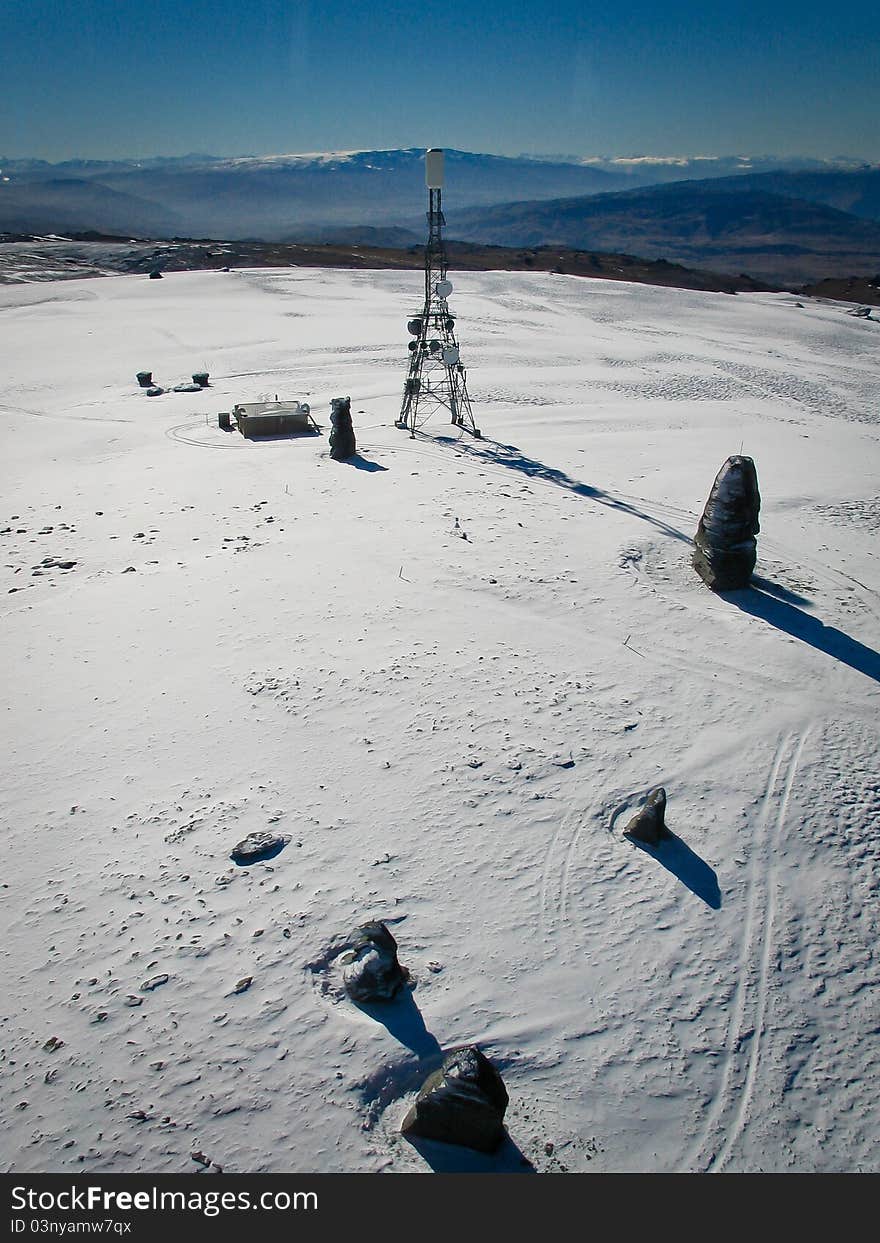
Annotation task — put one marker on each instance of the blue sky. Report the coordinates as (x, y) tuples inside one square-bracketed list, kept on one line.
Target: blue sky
[(112, 78)]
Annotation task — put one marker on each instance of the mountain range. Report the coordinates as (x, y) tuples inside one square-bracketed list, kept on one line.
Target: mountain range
[(782, 221), (735, 224)]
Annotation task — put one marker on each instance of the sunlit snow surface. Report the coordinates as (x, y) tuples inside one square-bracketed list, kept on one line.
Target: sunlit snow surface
[(449, 671)]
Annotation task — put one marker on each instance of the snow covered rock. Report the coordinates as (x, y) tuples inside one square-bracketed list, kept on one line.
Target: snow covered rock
[(648, 824), (725, 548), (370, 970), (463, 1102)]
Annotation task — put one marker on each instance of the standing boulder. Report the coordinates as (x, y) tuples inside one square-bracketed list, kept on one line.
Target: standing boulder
[(342, 442), (461, 1103), (370, 970), (725, 548)]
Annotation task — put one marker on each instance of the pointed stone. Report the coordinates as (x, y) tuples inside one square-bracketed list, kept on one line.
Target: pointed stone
[(725, 547), (648, 824)]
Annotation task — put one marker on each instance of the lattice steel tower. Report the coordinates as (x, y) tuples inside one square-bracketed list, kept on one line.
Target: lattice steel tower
[(436, 376)]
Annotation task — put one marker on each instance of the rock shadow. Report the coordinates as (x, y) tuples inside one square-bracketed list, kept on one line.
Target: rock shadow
[(812, 630), (362, 463), (694, 872), (492, 452), (454, 1159), (403, 1020)]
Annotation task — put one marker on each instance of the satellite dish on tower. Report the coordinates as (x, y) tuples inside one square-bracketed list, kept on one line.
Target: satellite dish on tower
[(443, 289), (434, 168)]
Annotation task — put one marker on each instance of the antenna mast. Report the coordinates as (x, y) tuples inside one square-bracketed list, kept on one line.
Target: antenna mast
[(436, 377)]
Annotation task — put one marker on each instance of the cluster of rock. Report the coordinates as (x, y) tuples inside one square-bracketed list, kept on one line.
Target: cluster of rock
[(464, 1100), (199, 381)]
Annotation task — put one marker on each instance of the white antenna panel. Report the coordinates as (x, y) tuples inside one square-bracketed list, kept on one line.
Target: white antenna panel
[(434, 168)]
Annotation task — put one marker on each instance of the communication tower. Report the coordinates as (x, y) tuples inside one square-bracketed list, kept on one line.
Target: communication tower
[(436, 377)]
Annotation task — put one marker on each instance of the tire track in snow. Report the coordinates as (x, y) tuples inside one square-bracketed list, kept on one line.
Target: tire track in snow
[(552, 899), (705, 1155), (577, 817), (775, 839), (694, 1159), (178, 433)]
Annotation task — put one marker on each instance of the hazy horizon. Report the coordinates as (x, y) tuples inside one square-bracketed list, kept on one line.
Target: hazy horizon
[(622, 158), (100, 82)]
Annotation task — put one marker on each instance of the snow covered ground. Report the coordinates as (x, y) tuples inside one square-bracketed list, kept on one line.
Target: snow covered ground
[(449, 670)]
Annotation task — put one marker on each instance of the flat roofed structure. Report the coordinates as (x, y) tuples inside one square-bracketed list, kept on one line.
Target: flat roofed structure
[(274, 418)]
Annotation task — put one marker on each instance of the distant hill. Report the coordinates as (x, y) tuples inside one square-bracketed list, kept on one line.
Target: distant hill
[(62, 205), (389, 237), (277, 197), (856, 191), (725, 226), (650, 170)]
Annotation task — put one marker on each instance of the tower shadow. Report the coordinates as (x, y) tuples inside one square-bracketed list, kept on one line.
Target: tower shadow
[(493, 452), (791, 620)]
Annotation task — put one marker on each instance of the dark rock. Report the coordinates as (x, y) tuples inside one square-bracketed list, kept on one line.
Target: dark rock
[(342, 440), (155, 275), (370, 970), (145, 378), (725, 548), (155, 391), (647, 825), (257, 846), (463, 1103), (200, 378)]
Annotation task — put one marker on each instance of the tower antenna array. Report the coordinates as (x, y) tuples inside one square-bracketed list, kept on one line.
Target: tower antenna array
[(436, 377)]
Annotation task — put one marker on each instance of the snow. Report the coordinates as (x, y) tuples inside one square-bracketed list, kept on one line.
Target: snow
[(448, 671)]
